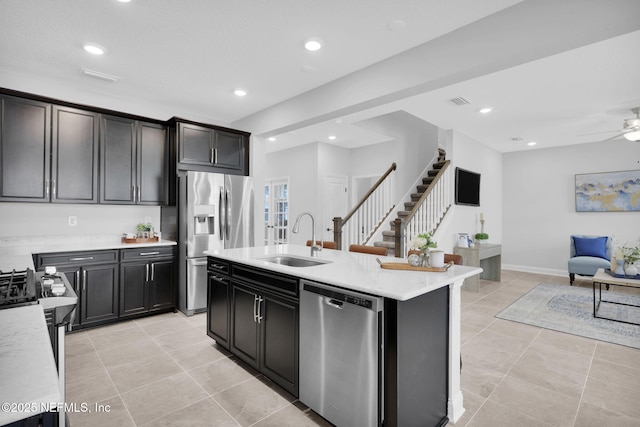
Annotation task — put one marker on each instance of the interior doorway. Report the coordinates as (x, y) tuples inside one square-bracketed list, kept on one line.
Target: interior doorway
[(334, 203), (276, 211)]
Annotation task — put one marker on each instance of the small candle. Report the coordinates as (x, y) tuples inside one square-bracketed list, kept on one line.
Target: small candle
[(481, 216)]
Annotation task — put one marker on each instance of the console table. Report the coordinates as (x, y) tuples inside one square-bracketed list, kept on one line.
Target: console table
[(488, 257)]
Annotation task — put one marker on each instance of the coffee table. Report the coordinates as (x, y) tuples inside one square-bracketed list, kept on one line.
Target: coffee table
[(603, 278)]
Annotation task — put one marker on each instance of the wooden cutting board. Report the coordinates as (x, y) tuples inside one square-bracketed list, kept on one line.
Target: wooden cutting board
[(407, 266)]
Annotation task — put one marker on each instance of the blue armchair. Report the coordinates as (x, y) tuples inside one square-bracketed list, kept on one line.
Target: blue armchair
[(587, 254)]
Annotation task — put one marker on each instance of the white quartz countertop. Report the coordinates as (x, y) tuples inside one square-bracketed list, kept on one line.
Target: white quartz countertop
[(27, 367), (16, 252), (350, 270)]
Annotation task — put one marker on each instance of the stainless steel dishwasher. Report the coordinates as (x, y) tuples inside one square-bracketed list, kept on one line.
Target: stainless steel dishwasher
[(340, 348)]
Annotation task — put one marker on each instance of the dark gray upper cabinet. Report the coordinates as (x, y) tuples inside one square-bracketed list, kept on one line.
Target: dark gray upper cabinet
[(133, 166), (211, 149), (74, 156), (25, 146)]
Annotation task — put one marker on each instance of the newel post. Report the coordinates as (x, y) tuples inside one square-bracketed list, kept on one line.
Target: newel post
[(337, 232), (399, 229)]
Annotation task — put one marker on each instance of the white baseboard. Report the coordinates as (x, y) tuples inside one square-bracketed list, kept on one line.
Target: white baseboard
[(536, 270)]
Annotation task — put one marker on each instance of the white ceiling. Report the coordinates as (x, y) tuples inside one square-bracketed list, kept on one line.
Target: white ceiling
[(184, 58)]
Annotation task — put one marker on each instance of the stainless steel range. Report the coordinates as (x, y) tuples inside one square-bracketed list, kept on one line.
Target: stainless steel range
[(17, 288)]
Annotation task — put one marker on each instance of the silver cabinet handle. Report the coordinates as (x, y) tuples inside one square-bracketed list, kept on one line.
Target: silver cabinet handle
[(87, 258), (211, 155), (138, 193), (149, 253), (84, 280), (218, 266), (146, 273), (153, 272), (53, 188), (220, 279), (46, 189), (215, 155), (259, 310), (76, 287)]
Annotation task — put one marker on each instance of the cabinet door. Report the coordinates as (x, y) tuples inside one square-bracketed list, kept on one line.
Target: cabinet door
[(133, 287), (162, 284), (99, 300), (24, 150), (244, 328), (195, 145), (74, 167), (279, 341), (219, 297), (73, 276), (229, 150), (117, 160), (152, 164)]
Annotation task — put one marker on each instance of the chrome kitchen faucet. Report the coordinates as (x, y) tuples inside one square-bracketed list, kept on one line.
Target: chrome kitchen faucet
[(296, 228)]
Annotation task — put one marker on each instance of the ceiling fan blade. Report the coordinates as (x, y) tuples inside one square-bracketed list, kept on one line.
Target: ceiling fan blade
[(598, 133), (614, 137)]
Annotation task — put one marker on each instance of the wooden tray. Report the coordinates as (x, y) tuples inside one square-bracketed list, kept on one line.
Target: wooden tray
[(140, 240), (407, 266)]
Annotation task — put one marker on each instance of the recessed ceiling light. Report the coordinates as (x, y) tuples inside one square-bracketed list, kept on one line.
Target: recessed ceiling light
[(312, 44), (124, 1), (332, 137), (271, 138), (307, 69), (485, 110), (532, 143), (240, 92), (94, 49)]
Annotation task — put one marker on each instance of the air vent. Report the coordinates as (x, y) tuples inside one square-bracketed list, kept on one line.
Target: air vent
[(460, 101), (99, 75), (516, 139)]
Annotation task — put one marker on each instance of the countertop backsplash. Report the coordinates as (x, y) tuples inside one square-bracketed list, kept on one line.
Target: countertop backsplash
[(48, 219)]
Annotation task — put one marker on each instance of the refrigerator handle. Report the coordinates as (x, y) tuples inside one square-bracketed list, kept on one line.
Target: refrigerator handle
[(221, 212), (227, 215)]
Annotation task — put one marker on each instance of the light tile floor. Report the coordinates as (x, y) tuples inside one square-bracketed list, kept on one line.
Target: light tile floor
[(165, 371)]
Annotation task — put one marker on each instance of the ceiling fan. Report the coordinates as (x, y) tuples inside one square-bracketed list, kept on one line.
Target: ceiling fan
[(631, 128)]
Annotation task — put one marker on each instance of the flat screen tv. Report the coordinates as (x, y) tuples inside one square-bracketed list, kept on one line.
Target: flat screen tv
[(467, 187)]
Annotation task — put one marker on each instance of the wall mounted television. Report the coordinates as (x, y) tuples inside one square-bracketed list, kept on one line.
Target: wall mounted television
[(467, 187)]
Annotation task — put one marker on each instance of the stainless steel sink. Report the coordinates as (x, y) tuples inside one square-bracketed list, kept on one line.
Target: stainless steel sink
[(293, 261)]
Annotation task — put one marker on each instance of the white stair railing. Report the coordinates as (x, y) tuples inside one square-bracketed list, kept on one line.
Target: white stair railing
[(368, 215), (428, 212)]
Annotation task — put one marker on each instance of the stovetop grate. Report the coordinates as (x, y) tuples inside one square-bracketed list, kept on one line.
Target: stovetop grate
[(17, 288)]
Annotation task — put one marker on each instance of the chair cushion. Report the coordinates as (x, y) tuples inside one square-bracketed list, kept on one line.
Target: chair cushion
[(587, 265), (591, 246)]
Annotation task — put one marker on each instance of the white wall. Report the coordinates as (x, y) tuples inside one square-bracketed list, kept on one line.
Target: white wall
[(467, 153), (39, 219), (539, 203)]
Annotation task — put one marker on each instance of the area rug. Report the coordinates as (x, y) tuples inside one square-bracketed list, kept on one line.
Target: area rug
[(570, 309)]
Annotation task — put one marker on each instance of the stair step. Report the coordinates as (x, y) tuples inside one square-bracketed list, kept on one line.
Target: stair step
[(428, 180), (415, 196), (403, 213), (433, 172), (409, 205), (437, 165), (422, 188), (388, 245)]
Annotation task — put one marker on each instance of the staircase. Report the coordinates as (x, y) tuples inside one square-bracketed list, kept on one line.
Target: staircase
[(389, 237)]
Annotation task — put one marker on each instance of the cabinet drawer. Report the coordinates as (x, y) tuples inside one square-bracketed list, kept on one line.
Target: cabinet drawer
[(216, 265), (76, 258), (147, 252), (275, 282)]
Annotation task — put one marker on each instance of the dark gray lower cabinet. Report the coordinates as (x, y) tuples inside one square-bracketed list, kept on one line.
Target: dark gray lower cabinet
[(254, 313), (147, 280), (98, 294), (115, 284)]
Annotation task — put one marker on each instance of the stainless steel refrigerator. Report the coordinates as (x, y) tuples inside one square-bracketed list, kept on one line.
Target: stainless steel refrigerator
[(214, 211)]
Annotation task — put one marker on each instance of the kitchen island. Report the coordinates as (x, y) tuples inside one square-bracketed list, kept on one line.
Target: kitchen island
[(420, 344)]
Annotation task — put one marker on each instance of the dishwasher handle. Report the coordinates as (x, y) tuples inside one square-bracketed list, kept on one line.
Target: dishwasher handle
[(334, 303)]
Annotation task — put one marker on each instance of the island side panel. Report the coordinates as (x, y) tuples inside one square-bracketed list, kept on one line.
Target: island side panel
[(416, 360)]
